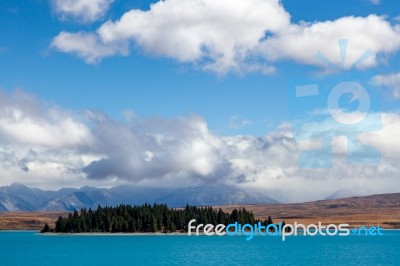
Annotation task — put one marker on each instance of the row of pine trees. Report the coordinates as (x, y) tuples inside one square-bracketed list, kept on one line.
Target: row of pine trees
[(146, 218)]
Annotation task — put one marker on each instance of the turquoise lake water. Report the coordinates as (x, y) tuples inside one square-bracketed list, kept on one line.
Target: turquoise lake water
[(31, 248)]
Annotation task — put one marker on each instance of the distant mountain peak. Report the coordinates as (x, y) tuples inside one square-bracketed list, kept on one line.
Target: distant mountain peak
[(17, 185), (355, 191)]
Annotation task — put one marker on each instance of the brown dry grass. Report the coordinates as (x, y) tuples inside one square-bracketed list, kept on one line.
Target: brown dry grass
[(28, 220)]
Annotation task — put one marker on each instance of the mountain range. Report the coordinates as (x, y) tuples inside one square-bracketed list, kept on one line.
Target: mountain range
[(18, 197)]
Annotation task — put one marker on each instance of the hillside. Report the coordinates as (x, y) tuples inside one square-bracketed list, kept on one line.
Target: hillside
[(28, 220), (382, 209)]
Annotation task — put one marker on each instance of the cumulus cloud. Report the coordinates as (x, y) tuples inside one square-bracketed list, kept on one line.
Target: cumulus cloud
[(47, 146), (218, 35), (87, 46), (391, 81), (239, 35), (41, 144), (23, 120), (157, 148), (81, 10), (272, 163), (385, 139), (364, 34)]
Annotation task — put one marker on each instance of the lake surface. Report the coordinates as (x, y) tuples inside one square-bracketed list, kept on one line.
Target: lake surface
[(31, 248)]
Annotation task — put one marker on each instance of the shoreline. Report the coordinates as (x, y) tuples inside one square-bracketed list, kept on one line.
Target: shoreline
[(113, 234), (131, 234)]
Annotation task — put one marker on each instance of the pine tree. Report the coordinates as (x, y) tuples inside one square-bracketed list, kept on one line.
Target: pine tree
[(269, 221), (46, 228), (153, 225)]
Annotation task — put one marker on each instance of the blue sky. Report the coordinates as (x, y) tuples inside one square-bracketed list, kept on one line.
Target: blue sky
[(131, 82), (231, 67)]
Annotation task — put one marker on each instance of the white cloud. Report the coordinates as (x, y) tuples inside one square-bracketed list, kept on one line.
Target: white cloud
[(87, 46), (23, 120), (276, 168), (43, 166), (375, 2), (218, 35), (386, 139), (42, 144), (52, 147), (302, 42), (81, 10), (181, 146), (239, 35), (392, 81)]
